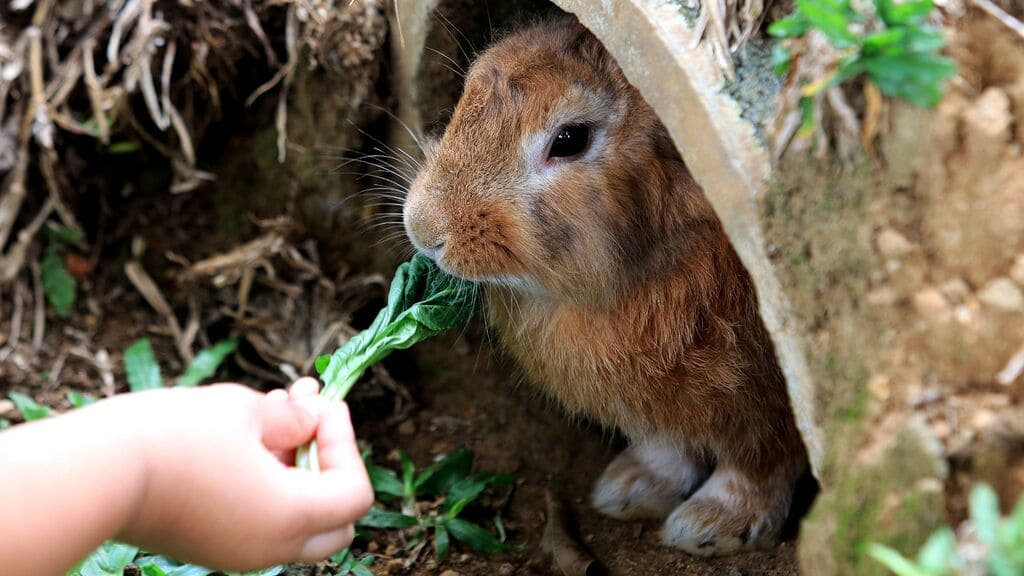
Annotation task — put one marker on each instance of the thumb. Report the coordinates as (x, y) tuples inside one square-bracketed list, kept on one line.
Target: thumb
[(285, 425)]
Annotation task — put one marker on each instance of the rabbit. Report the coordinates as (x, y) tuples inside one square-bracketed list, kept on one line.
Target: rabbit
[(609, 279)]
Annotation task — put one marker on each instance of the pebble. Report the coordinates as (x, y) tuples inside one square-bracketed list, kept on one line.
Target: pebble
[(956, 290), (879, 387), (1002, 293), (506, 569), (6, 407), (450, 573), (892, 244), (930, 302), (1017, 271)]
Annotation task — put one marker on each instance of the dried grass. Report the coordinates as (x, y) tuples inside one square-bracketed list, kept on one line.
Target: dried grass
[(81, 67)]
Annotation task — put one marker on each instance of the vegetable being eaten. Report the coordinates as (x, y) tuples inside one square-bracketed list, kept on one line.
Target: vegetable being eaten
[(423, 301)]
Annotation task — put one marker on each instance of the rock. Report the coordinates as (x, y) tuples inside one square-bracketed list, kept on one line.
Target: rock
[(956, 290), (1002, 293), (892, 244), (6, 407), (450, 573), (929, 302), (506, 569), (1017, 271)]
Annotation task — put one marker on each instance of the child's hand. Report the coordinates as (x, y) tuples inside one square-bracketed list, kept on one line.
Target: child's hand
[(219, 489)]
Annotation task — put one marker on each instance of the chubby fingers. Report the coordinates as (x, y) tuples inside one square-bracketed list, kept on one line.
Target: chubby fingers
[(304, 387), (341, 493)]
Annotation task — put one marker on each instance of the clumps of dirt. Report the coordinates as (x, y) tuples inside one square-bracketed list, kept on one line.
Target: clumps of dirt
[(951, 245)]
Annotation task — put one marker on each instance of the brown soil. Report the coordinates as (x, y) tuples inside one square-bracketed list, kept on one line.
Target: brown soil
[(464, 395)]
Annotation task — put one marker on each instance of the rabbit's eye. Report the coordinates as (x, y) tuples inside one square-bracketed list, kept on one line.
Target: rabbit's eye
[(570, 141)]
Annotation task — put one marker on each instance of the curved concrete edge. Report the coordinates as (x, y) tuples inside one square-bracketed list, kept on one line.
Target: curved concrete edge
[(653, 44)]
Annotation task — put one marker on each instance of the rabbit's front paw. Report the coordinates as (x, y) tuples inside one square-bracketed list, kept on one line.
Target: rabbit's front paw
[(647, 481), (729, 513)]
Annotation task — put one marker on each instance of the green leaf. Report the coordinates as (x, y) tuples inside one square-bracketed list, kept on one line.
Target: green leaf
[(141, 367), (984, 512), (172, 567), (29, 408), (894, 561), (806, 116), (153, 570), (58, 284), (782, 59), (440, 543), (465, 491), (906, 12), (475, 537), (206, 363), (791, 26), (321, 363), (79, 399), (408, 474), (361, 570), (939, 554), (272, 571), (123, 147), (62, 235), (110, 559), (384, 481), (423, 301), (912, 76), (440, 476), (832, 18), (378, 518)]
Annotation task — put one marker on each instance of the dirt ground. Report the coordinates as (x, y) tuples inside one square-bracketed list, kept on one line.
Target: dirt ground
[(460, 392), (465, 397)]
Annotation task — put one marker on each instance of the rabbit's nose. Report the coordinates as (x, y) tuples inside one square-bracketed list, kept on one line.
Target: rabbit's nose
[(425, 232)]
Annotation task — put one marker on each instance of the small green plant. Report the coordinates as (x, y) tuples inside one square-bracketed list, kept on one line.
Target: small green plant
[(888, 41), (1000, 539), (346, 563), (113, 558), (143, 371), (423, 302), (59, 285), (30, 409), (432, 501)]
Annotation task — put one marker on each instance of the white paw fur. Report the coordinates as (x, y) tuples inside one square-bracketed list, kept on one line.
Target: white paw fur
[(647, 480)]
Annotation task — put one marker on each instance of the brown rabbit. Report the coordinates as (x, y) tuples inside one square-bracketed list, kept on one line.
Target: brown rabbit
[(609, 278)]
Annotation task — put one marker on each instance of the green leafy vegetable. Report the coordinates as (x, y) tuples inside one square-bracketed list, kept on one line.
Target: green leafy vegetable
[(206, 363), (29, 408), (423, 301), (141, 368)]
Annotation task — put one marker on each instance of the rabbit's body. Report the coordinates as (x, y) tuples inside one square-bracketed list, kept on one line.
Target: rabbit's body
[(609, 278)]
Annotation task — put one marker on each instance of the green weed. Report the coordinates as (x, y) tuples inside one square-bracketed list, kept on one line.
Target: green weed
[(59, 285), (432, 500), (887, 41), (1001, 539)]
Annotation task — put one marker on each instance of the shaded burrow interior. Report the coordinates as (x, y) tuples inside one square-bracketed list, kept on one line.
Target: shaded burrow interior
[(454, 31)]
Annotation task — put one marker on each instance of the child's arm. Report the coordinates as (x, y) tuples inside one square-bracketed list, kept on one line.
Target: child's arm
[(199, 474)]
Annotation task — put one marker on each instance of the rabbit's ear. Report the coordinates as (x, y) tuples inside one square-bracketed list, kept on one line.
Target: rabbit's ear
[(584, 46)]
